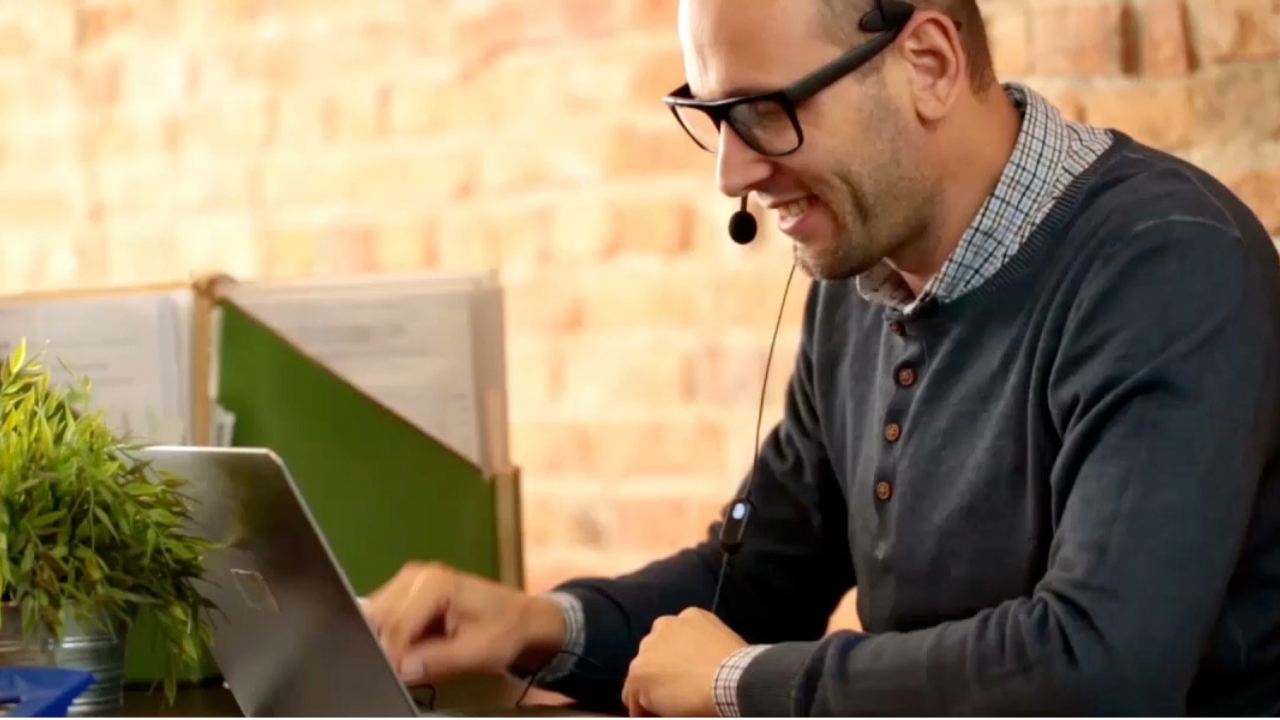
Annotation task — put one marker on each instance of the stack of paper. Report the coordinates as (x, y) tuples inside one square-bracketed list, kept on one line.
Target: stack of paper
[(430, 347), (134, 349)]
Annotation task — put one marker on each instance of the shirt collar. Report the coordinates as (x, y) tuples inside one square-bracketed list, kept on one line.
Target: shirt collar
[(1005, 218)]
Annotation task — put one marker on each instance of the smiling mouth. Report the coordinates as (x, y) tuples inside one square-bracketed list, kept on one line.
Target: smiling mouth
[(793, 210)]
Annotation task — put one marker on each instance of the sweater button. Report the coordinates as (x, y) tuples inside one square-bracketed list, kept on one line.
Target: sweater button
[(892, 432), (884, 490), (897, 328), (906, 377)]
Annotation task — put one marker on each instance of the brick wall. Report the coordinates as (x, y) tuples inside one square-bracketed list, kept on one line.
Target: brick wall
[(144, 139)]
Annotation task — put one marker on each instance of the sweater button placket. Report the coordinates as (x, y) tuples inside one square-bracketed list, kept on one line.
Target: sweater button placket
[(892, 432), (906, 376), (884, 490)]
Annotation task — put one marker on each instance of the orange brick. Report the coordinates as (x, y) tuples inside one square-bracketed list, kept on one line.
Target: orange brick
[(655, 74), (1239, 29), (656, 150), (647, 14), (14, 41), (506, 238), (290, 251), (1260, 190), (430, 106), (96, 22), (845, 616), (98, 80), (549, 302), (663, 524), (574, 516), (1080, 39), (1162, 114), (752, 296), (142, 253), (91, 257), (218, 242), (548, 567), (634, 370), (590, 231), (236, 120), (732, 373), (1235, 102), (362, 112), (37, 203), (607, 448), (1008, 26), (663, 228), (586, 18), (295, 119), (1166, 46), (623, 298), (376, 177), (487, 30), (530, 158), (37, 30), (535, 374), (740, 435), (407, 245), (1065, 97), (500, 26), (347, 247)]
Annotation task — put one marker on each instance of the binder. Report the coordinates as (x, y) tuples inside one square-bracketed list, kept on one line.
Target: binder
[(392, 472), (387, 481), (132, 342)]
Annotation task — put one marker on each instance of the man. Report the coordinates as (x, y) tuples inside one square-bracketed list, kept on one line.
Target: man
[(1033, 418)]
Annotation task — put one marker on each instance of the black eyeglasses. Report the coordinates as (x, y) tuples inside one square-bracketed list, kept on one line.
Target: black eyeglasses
[(767, 122)]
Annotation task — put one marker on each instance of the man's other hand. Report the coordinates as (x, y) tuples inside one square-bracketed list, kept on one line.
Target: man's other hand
[(436, 622), (673, 672)]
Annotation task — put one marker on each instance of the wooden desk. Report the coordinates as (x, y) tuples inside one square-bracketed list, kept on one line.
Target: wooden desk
[(192, 701), (214, 700)]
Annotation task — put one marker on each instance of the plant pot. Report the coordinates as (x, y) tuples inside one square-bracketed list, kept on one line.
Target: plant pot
[(101, 651)]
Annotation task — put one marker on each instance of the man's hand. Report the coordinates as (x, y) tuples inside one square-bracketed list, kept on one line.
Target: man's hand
[(673, 673), (436, 623)]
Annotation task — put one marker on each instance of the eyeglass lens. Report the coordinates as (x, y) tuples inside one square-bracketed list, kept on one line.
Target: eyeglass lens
[(765, 125)]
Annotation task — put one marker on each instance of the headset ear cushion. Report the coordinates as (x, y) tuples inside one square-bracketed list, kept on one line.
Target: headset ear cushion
[(887, 15)]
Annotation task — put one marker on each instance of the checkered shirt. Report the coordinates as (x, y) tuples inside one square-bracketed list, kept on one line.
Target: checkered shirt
[(1048, 155), (1050, 152)]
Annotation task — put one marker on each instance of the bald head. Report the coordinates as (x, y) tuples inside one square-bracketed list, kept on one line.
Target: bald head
[(858, 163), (840, 18)]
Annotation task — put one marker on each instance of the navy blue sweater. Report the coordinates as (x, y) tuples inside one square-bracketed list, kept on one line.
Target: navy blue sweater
[(1080, 514)]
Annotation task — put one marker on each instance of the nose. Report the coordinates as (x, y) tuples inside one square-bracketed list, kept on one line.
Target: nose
[(739, 169)]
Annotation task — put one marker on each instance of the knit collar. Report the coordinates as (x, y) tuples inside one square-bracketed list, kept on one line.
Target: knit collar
[(1036, 172)]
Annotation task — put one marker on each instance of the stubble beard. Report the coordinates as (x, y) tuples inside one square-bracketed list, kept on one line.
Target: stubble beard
[(853, 250)]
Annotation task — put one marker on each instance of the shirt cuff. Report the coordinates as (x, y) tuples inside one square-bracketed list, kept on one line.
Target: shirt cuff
[(574, 637), (725, 687)]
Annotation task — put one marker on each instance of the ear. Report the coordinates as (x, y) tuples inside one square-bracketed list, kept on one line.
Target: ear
[(936, 66)]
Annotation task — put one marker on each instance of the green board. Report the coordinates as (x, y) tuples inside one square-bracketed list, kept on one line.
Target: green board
[(382, 491)]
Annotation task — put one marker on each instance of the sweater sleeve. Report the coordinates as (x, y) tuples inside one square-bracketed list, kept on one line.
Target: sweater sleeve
[(1164, 390), (795, 556)]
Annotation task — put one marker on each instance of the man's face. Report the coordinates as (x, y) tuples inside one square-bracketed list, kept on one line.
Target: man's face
[(854, 191)]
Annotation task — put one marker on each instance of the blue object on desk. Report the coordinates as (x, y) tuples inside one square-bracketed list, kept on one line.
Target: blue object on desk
[(40, 691)]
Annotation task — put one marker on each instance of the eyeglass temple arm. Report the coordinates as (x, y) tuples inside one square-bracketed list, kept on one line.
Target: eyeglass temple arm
[(885, 19)]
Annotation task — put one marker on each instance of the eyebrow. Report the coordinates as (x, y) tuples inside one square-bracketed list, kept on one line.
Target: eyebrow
[(733, 92)]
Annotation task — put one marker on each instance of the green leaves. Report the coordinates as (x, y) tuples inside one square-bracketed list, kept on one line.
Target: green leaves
[(86, 527), (19, 357)]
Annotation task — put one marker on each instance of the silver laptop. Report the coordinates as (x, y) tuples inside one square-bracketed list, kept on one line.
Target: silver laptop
[(289, 636)]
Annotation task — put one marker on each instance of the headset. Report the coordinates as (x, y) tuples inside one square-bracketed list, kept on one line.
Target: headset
[(888, 17)]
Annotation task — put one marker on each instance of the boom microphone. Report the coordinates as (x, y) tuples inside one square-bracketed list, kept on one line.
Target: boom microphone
[(742, 224)]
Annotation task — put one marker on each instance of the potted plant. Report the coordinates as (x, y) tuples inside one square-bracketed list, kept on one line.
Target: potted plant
[(90, 538)]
